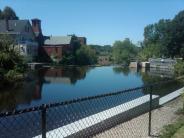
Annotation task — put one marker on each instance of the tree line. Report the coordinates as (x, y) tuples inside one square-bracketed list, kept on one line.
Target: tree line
[(162, 39)]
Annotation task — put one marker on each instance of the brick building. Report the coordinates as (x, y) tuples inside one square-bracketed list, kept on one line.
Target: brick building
[(56, 46)]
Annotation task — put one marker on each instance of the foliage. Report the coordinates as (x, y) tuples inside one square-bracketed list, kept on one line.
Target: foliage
[(68, 59), (180, 111), (179, 68), (124, 51), (102, 50), (164, 38), (11, 75), (179, 133), (177, 33), (85, 56), (153, 50), (11, 63), (76, 44), (182, 52), (8, 13), (176, 129), (8, 55), (171, 129)]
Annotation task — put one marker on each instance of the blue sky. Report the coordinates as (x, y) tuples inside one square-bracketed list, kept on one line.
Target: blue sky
[(101, 21)]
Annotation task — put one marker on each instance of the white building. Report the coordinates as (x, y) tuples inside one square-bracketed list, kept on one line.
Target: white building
[(22, 33)]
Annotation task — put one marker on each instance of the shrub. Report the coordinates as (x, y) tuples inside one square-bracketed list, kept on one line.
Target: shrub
[(179, 68), (11, 75)]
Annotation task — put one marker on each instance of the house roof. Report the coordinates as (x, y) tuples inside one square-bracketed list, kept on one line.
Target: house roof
[(15, 26), (58, 40)]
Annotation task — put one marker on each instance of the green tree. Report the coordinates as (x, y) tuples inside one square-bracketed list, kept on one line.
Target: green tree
[(158, 35), (182, 52), (10, 60), (85, 56), (124, 51), (151, 51), (9, 14), (102, 50), (168, 35), (178, 33)]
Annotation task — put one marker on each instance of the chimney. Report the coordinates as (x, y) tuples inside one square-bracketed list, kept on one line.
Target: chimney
[(7, 24), (36, 25)]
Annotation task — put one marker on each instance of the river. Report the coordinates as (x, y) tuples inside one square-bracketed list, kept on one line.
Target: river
[(56, 84)]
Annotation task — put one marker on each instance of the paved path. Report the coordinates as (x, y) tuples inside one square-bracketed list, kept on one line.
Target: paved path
[(138, 127)]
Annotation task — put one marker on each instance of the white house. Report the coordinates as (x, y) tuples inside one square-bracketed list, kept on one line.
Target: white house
[(22, 33)]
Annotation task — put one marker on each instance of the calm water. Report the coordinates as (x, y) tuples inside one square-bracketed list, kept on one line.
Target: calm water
[(49, 85)]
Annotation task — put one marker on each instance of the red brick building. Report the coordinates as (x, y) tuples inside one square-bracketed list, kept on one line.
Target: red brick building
[(56, 46)]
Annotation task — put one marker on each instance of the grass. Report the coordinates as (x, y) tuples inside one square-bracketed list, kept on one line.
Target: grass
[(175, 130), (179, 133), (170, 130)]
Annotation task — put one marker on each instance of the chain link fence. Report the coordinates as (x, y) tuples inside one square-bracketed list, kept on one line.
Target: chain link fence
[(84, 117)]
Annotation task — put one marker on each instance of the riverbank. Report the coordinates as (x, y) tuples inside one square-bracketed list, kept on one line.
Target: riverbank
[(138, 127)]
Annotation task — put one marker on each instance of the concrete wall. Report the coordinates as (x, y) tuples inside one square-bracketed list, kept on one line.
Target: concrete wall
[(162, 63), (106, 119), (171, 96), (133, 64), (145, 64)]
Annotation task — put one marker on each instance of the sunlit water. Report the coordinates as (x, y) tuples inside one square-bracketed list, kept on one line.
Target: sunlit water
[(49, 85)]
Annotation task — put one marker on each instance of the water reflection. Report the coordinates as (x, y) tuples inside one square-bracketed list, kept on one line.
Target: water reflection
[(119, 70), (24, 94), (153, 75), (66, 75), (31, 89), (64, 83)]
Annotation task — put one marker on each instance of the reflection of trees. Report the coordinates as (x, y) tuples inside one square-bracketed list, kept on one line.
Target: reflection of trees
[(162, 88), (150, 79), (71, 73), (31, 88), (24, 94), (124, 70)]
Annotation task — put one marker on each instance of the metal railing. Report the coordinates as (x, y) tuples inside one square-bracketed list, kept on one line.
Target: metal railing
[(82, 117)]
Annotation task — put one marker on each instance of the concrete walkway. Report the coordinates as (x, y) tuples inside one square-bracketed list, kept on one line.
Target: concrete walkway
[(138, 127)]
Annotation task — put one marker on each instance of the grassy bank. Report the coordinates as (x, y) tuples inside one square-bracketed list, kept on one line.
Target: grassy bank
[(175, 130)]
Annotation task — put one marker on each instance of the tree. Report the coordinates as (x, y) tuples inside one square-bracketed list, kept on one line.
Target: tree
[(10, 60), (124, 51), (102, 50), (178, 32), (151, 51), (182, 52), (85, 56), (1, 16), (9, 14), (158, 35), (168, 35)]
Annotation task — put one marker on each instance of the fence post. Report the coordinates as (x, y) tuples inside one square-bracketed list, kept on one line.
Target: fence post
[(150, 109), (43, 122)]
